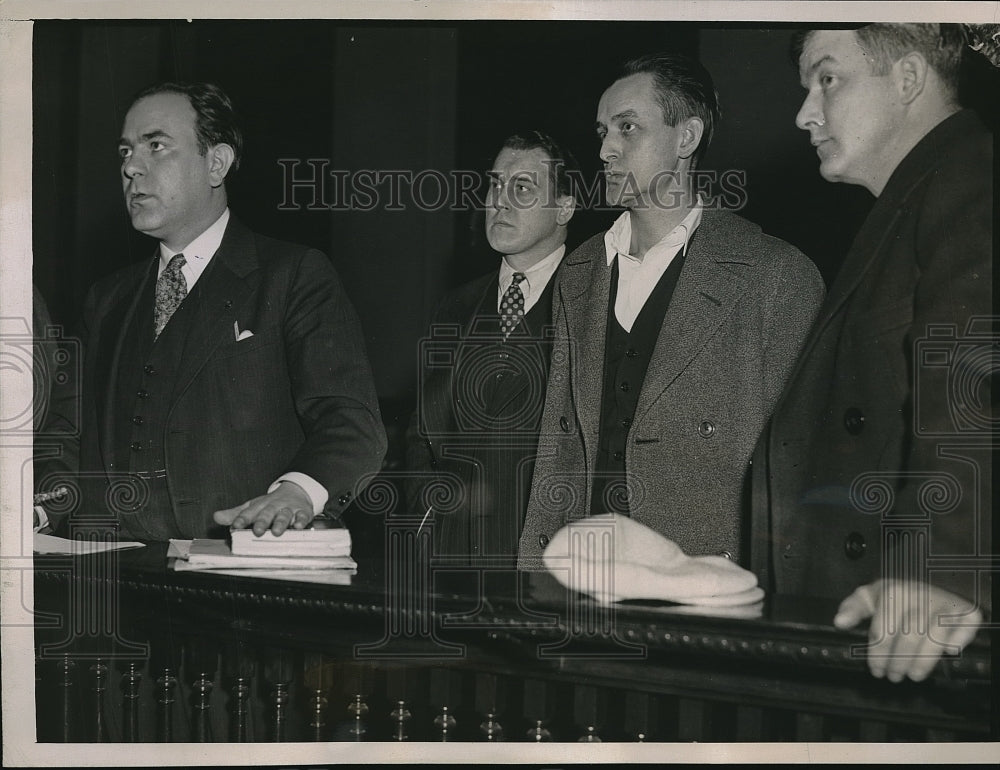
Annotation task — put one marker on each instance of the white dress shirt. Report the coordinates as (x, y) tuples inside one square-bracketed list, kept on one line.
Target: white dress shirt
[(197, 256), (536, 278), (638, 277), (198, 253)]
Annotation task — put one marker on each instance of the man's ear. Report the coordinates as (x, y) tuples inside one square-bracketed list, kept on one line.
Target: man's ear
[(566, 208), (910, 74), (692, 130), (220, 160)]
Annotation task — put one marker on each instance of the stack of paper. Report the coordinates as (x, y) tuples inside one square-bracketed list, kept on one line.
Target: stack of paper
[(314, 542), (317, 558)]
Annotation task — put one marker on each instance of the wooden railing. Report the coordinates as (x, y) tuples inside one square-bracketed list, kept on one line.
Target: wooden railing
[(129, 651)]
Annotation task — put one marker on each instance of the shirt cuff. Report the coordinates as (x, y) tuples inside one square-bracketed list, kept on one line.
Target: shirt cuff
[(316, 492), (43, 519)]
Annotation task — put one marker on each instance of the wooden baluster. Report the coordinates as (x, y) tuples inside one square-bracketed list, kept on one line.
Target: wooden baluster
[(400, 716), (491, 729), (538, 733), (639, 717), (239, 666), (130, 684), (278, 674), (358, 709), (67, 693), (100, 672), (445, 723), (492, 698), (317, 676), (692, 720), (445, 692), (587, 712), (535, 709), (240, 710), (317, 715), (279, 704), (808, 727), (165, 700), (750, 723), (872, 731), (201, 662), (201, 702)]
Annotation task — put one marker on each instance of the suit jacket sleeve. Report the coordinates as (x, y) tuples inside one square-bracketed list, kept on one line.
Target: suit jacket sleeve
[(954, 246), (794, 301), (331, 383)]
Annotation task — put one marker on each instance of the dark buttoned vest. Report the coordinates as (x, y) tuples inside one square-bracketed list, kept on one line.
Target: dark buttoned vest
[(145, 384), (626, 358)]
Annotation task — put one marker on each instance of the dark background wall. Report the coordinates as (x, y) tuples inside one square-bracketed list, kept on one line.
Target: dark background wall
[(396, 96)]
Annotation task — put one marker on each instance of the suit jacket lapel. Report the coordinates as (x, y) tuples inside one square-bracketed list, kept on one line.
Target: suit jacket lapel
[(586, 272), (227, 286), (108, 358), (705, 296)]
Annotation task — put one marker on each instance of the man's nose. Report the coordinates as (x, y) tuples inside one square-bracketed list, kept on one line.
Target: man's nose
[(810, 113), (498, 196), (609, 149), (132, 166)]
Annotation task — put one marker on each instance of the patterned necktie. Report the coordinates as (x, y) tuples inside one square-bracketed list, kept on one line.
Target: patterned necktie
[(512, 306), (171, 289)]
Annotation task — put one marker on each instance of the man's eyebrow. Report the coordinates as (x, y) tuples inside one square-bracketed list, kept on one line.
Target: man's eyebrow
[(630, 113), (625, 114), (822, 60), (156, 133)]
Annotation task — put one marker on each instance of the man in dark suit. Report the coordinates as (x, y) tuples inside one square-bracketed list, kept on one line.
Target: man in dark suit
[(874, 477), (225, 379), (675, 331), (472, 440)]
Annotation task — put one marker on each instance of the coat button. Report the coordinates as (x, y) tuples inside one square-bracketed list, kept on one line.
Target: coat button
[(855, 545), (618, 456), (726, 555), (137, 420), (142, 393), (543, 540), (135, 446), (434, 462), (623, 387), (854, 421), (343, 499), (625, 422), (564, 424), (706, 428), (631, 353), (228, 304), (149, 369)]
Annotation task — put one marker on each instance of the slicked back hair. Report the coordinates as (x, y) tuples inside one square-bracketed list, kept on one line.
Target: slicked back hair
[(684, 89), (564, 166), (215, 117)]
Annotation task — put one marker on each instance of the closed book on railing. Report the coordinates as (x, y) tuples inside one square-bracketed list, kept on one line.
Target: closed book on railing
[(324, 539)]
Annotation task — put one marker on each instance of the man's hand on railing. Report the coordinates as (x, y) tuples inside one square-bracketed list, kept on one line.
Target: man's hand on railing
[(912, 625)]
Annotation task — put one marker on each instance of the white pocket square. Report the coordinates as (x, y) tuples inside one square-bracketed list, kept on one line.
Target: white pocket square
[(241, 335)]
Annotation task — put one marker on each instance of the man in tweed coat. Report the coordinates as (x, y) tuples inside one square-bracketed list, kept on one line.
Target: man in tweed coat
[(675, 331)]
